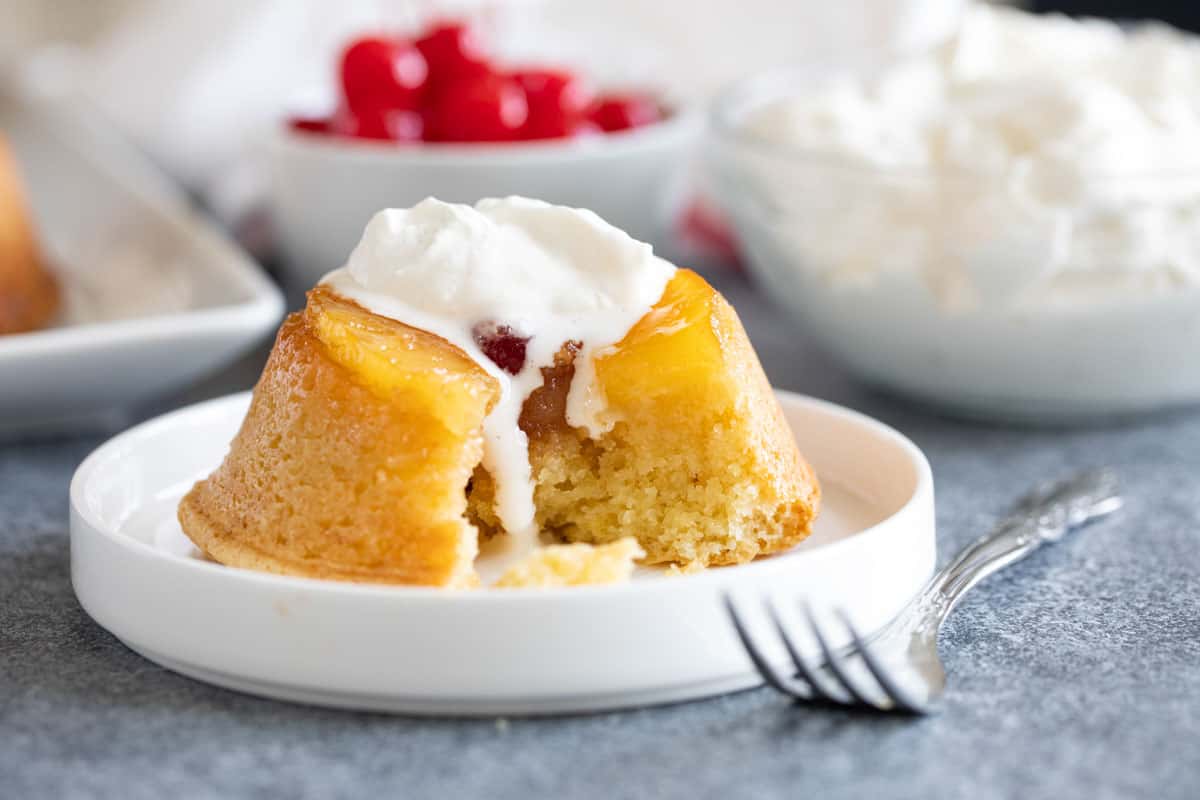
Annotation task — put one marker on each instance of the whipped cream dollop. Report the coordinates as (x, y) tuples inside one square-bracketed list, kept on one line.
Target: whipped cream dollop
[(1026, 151), (542, 273)]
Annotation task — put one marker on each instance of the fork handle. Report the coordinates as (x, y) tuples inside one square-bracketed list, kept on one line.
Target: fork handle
[(1046, 515)]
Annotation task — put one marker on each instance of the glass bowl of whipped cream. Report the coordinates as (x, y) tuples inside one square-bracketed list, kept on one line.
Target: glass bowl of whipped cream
[(1006, 225)]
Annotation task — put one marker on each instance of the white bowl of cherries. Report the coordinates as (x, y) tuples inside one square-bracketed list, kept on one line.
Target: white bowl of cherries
[(434, 116)]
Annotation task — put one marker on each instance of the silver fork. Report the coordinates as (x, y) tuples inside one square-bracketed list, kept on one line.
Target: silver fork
[(897, 668)]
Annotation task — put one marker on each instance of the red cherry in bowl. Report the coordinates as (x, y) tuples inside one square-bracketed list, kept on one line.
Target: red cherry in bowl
[(380, 124), (619, 112), (557, 103), (486, 108), (452, 51), (381, 72), (311, 124)]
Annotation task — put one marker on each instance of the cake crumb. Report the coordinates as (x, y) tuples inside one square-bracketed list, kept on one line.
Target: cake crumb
[(690, 568), (574, 565)]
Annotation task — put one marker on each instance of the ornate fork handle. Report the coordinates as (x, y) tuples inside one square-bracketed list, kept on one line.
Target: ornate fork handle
[(1044, 516)]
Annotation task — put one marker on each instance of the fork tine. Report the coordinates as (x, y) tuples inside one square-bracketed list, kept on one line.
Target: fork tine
[(836, 665), (822, 687), (899, 696), (768, 672)]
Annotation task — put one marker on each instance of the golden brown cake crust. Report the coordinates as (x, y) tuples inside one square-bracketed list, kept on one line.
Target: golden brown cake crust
[(332, 476), (29, 294)]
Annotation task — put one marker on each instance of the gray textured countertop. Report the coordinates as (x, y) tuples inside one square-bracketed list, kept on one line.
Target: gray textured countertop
[(1075, 674)]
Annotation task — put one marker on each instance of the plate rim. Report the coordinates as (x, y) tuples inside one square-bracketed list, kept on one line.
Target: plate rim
[(462, 706)]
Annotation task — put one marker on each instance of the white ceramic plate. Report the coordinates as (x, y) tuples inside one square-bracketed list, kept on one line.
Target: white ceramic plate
[(656, 639), (154, 296)]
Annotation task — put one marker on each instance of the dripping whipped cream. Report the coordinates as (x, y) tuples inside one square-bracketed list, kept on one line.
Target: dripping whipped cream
[(526, 271)]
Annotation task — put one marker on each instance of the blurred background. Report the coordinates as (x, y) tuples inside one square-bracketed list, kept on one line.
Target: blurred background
[(197, 82), (1051, 163)]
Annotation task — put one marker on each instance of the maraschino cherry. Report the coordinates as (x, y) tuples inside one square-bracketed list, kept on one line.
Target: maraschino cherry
[(504, 346), (557, 102), (452, 51), (483, 108), (619, 112), (383, 73), (381, 124), (441, 87)]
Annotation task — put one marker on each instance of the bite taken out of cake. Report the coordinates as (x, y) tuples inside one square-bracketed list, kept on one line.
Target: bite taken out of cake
[(517, 374)]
